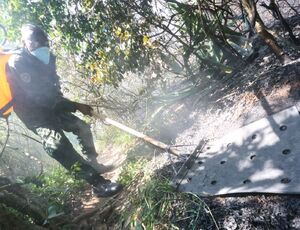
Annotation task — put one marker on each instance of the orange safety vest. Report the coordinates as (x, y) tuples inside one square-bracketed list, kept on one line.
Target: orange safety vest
[(6, 99)]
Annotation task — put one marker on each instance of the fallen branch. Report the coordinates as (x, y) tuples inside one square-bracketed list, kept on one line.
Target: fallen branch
[(23, 205), (10, 220), (9, 186), (85, 215), (106, 207)]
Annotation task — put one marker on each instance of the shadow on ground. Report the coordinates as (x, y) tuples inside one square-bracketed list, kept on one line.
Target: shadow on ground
[(246, 174)]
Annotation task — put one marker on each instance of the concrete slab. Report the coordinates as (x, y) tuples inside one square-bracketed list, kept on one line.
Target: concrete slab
[(262, 157)]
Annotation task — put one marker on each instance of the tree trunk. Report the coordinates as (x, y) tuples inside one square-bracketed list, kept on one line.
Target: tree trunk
[(275, 9), (16, 197), (9, 220), (23, 206), (257, 23)]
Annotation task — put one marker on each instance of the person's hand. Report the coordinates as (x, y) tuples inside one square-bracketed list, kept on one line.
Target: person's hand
[(84, 109)]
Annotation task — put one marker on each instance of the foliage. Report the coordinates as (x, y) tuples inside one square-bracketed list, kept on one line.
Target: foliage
[(11, 211), (11, 218), (104, 36), (158, 206), (208, 31), (3, 35), (111, 38), (130, 170), (112, 136), (38, 201), (58, 187), (153, 203)]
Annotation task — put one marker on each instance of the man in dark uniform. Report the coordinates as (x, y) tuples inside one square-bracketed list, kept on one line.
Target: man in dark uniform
[(40, 105)]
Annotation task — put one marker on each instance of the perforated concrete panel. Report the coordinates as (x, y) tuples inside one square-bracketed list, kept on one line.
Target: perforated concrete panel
[(262, 157)]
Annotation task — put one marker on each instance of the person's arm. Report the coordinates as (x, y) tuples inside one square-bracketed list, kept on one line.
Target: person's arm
[(66, 105)]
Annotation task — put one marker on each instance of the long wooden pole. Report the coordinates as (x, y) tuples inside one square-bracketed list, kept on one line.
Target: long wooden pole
[(133, 132)]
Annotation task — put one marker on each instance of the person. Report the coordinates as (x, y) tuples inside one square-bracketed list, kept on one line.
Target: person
[(40, 105)]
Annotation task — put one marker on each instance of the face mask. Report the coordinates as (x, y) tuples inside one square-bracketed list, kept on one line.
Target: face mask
[(42, 53)]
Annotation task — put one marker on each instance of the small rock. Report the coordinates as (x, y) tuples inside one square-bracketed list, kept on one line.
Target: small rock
[(295, 223), (258, 222), (267, 59), (230, 223)]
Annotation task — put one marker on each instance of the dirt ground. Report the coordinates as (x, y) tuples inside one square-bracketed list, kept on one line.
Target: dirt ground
[(262, 88), (267, 88)]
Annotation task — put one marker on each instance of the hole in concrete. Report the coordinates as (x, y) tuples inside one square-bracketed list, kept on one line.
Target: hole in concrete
[(253, 136), (207, 147), (252, 157), (286, 151), (285, 180), (283, 128), (222, 162), (200, 162), (247, 181), (213, 182), (189, 166)]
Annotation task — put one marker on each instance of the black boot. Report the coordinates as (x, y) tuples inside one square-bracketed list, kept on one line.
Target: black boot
[(107, 189)]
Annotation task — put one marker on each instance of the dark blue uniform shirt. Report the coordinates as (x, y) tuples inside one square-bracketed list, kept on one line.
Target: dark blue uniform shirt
[(36, 90)]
